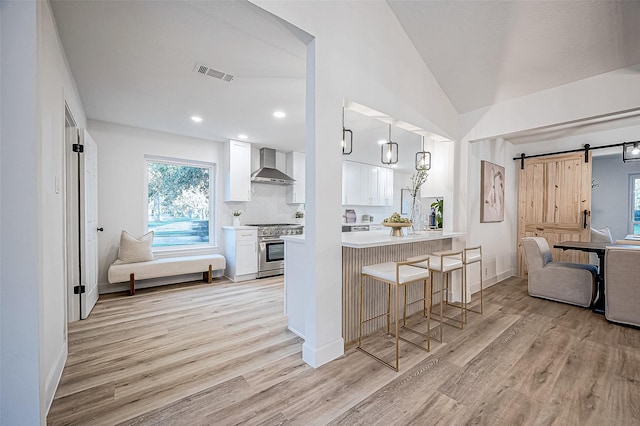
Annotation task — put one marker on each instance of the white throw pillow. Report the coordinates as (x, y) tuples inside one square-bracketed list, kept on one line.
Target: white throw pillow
[(134, 250)]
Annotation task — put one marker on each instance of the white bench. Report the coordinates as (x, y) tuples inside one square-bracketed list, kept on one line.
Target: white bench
[(121, 272)]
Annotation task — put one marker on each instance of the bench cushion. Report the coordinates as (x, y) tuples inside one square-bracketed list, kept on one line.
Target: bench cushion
[(120, 271)]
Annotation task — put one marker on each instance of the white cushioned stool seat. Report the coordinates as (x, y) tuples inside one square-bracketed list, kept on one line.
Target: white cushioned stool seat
[(396, 275), (473, 257), (387, 272)]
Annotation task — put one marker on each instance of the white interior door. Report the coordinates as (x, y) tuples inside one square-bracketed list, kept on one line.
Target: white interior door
[(89, 224)]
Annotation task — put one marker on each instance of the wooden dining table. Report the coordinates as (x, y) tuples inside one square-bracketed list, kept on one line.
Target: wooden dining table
[(599, 248)]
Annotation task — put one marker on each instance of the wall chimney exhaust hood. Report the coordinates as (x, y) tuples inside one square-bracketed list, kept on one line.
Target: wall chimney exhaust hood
[(267, 173)]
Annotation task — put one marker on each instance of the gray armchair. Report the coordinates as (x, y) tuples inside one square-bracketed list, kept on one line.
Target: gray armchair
[(573, 283), (622, 284)]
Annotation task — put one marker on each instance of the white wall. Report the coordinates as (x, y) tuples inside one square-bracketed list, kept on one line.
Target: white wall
[(122, 190), (615, 91), (497, 238), (345, 60), (55, 87), (33, 311), (591, 97), (20, 282), (121, 182)]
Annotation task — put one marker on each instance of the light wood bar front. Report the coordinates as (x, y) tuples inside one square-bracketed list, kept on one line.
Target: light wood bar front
[(367, 248)]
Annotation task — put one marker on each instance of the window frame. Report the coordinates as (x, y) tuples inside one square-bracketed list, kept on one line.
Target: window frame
[(631, 222), (204, 248)]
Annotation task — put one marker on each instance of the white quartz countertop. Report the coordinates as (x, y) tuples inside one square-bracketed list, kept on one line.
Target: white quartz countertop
[(240, 228), (382, 238), (293, 238)]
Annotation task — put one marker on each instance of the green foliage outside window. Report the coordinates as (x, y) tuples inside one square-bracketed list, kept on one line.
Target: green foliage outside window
[(179, 203)]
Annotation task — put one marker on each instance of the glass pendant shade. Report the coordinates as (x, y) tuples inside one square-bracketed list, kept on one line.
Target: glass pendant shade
[(389, 151), (423, 159), (347, 142), (631, 151)]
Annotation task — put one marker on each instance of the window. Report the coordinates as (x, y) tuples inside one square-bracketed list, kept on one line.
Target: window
[(634, 184), (179, 202)]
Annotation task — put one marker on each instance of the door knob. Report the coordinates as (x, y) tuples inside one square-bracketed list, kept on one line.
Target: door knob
[(100, 229)]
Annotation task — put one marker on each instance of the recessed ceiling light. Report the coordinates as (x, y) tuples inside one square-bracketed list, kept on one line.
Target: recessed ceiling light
[(279, 114), (196, 118), (243, 136), (382, 141)]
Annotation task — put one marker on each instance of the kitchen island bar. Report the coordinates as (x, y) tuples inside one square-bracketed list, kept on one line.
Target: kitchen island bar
[(358, 249), (366, 248)]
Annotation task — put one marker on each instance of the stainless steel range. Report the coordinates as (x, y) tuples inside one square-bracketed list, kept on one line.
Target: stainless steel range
[(271, 247)]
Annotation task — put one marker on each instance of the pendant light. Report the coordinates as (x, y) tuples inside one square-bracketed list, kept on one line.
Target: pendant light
[(423, 158), (347, 147), (631, 151), (389, 151)]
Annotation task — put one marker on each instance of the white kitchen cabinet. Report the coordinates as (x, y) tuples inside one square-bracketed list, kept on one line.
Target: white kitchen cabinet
[(237, 162), (370, 184), (385, 186), (241, 252), (295, 169), (364, 184), (351, 182)]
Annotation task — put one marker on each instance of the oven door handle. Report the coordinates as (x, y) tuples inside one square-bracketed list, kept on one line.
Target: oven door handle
[(272, 240)]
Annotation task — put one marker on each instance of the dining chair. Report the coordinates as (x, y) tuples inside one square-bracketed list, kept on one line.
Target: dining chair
[(622, 284), (573, 283), (601, 236)]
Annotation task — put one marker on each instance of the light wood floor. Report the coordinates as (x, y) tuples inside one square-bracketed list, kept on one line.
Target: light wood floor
[(220, 354)]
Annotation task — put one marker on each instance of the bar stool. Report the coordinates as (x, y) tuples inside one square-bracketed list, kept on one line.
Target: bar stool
[(397, 274), (473, 255), (445, 263)]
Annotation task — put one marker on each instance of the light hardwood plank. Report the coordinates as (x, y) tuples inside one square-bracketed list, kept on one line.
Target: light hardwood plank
[(220, 354)]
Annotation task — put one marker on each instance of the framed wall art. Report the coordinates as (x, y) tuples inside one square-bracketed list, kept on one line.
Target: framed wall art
[(491, 192)]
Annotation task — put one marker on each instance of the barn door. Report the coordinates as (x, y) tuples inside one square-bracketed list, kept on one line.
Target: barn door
[(554, 202)]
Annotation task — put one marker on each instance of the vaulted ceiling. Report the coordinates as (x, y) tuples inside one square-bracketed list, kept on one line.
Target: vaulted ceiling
[(483, 52), (134, 61)]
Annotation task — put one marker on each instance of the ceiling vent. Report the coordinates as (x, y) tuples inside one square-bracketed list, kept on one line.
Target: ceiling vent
[(210, 72)]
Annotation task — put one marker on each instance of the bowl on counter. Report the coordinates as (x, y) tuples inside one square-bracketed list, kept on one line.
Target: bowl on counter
[(396, 227)]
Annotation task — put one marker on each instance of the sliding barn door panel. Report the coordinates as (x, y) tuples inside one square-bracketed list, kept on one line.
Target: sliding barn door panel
[(553, 194)]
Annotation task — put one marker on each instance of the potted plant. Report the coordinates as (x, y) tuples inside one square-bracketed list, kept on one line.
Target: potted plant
[(236, 217), (437, 205), (417, 180)]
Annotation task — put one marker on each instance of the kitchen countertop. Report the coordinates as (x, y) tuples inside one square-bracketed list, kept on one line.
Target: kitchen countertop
[(293, 238), (382, 238), (240, 228)]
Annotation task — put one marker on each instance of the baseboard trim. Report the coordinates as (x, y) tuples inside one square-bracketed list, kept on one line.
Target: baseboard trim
[(54, 376), (316, 357), (487, 282), (296, 332)]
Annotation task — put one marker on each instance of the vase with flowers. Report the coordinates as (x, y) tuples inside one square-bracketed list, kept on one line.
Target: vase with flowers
[(417, 180), (236, 217)]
